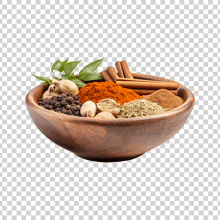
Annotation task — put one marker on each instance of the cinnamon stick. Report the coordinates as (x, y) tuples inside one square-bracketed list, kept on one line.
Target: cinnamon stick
[(106, 76), (148, 92), (119, 68), (126, 70), (149, 85), (134, 80), (148, 77), (112, 73)]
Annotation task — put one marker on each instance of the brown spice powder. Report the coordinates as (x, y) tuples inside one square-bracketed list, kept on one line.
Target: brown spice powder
[(164, 98)]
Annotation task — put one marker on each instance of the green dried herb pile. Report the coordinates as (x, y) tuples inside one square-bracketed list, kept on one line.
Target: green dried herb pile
[(140, 108)]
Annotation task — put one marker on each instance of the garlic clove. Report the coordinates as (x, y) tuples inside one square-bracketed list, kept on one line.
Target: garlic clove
[(66, 86), (88, 109), (46, 94), (104, 115), (51, 91), (54, 88)]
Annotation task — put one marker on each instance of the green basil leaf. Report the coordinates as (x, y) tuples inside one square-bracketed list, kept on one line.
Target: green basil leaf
[(92, 76), (71, 75), (69, 67), (95, 71), (90, 68), (55, 77), (78, 82), (62, 65), (63, 76), (56, 65), (47, 80)]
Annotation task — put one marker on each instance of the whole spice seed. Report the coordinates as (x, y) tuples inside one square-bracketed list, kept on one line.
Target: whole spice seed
[(140, 108), (65, 103), (104, 115), (88, 109), (109, 105)]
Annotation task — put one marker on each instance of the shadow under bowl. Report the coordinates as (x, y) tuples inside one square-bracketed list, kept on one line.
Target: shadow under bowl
[(109, 140)]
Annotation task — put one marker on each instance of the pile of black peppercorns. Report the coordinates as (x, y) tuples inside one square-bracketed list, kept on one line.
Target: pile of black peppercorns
[(65, 103)]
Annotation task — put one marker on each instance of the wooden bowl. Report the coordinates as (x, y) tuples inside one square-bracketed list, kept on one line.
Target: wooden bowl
[(109, 140)]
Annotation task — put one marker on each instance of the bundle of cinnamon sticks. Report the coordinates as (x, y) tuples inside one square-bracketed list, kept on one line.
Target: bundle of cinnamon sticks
[(126, 79)]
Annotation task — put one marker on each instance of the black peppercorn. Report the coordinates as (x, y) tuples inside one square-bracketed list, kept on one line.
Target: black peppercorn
[(59, 98), (69, 112), (68, 106), (64, 111), (57, 109), (53, 102), (64, 95), (40, 101), (48, 101), (57, 105), (63, 103), (77, 114), (73, 108), (78, 107), (69, 99), (46, 106)]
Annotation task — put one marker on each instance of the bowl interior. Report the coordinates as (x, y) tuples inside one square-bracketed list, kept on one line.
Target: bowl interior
[(35, 94)]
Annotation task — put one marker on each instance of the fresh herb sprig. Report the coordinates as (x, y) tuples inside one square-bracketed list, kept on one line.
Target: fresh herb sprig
[(66, 68)]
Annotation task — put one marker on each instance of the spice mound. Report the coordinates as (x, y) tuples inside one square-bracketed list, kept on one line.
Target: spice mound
[(165, 99), (97, 91), (140, 108), (65, 103)]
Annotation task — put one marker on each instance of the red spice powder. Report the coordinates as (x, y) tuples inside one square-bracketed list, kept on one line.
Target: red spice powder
[(97, 91)]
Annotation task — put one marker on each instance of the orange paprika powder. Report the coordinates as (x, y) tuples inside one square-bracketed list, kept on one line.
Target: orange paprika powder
[(97, 91)]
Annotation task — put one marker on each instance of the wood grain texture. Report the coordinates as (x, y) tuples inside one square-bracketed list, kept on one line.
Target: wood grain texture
[(108, 140)]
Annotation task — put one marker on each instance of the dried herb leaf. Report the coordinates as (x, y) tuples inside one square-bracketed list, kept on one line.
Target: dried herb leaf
[(92, 76), (63, 76), (62, 65), (90, 68), (56, 65), (69, 67), (78, 82), (47, 80), (56, 78)]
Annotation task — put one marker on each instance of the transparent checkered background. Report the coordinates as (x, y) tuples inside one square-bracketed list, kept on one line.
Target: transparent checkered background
[(177, 180)]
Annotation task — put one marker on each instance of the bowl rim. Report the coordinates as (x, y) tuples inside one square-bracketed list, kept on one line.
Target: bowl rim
[(189, 102)]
